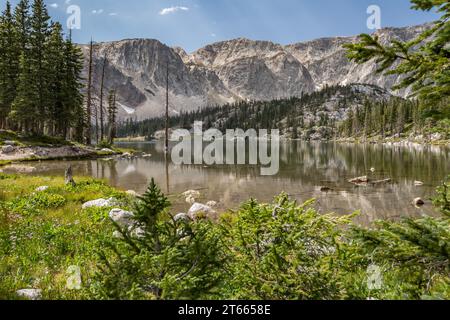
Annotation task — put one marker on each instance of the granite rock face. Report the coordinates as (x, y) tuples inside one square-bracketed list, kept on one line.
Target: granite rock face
[(229, 71)]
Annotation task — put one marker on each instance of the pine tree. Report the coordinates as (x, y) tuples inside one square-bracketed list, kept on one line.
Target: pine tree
[(22, 24), (56, 109), (9, 64), (40, 32), (75, 113), (423, 61), (24, 108)]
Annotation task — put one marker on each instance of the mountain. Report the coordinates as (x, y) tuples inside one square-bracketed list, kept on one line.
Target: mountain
[(230, 71)]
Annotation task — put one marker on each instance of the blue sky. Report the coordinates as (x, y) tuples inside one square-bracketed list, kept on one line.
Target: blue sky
[(193, 23)]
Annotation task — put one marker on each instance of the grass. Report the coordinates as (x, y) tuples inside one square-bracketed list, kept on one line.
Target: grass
[(32, 141), (43, 233)]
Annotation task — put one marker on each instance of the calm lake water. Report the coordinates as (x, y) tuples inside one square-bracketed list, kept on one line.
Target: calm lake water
[(304, 169)]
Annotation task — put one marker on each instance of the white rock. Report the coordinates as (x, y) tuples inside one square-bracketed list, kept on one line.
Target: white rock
[(117, 235), (132, 193), (190, 200), (181, 216), (359, 180), (107, 150), (73, 281), (10, 142), (192, 193), (7, 149), (147, 156), (198, 208), (372, 169), (100, 203), (211, 204), (138, 233), (126, 155), (42, 188), (418, 183), (124, 219), (30, 294)]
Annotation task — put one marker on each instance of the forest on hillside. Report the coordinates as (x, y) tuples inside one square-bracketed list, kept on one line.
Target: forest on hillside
[(334, 112)]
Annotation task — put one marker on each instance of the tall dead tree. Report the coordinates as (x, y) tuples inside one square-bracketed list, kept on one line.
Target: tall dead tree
[(88, 127), (102, 120), (167, 106)]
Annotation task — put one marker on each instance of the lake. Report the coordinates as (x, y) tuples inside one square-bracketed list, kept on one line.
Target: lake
[(305, 169)]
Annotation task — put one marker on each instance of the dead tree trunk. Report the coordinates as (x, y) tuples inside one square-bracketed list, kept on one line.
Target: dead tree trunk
[(68, 177)]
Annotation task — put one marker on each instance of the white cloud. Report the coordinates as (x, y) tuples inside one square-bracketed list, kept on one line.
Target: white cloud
[(54, 5), (113, 14), (170, 10), (99, 11), (67, 1)]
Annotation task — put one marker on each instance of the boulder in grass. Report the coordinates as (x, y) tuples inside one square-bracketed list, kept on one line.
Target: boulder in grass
[(132, 193), (124, 219), (181, 217), (42, 188), (100, 203), (198, 208), (30, 294)]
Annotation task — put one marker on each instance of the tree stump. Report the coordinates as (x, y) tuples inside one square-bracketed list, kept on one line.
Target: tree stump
[(69, 177)]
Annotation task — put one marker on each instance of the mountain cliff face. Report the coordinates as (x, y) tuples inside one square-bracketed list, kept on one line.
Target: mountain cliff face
[(229, 71)]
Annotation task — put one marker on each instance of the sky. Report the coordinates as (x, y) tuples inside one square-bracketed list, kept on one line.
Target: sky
[(191, 24)]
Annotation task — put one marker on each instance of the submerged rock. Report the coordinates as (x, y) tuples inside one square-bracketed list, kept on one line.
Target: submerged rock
[(192, 193), (30, 294), (381, 181), (100, 203), (359, 180), (419, 202)]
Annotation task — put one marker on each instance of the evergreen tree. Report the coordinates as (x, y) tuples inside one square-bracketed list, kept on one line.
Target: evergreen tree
[(56, 108), (423, 61), (22, 24), (9, 64), (40, 32), (24, 108)]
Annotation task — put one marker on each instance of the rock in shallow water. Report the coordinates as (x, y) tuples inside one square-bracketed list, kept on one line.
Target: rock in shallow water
[(7, 149), (419, 202), (359, 180)]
